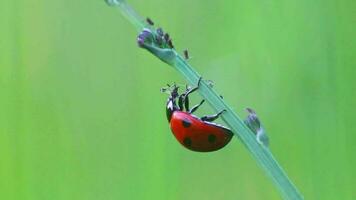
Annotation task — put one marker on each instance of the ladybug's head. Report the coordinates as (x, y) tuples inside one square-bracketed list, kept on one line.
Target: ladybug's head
[(174, 91), (171, 102)]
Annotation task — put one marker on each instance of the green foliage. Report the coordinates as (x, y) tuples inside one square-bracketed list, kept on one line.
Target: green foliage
[(261, 153), (81, 115)]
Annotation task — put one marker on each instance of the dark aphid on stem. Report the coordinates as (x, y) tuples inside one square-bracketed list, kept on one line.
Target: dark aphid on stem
[(159, 40), (186, 54), (149, 21), (159, 36), (170, 43), (160, 32), (166, 36)]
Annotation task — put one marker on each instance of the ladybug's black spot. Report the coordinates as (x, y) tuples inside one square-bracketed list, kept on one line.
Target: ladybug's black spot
[(186, 123), (211, 138), (187, 142)]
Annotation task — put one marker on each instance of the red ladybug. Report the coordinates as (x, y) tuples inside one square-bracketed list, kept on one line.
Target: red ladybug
[(196, 134)]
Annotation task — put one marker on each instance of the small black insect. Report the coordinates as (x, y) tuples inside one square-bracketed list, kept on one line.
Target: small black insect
[(170, 43), (149, 21), (186, 54), (166, 36)]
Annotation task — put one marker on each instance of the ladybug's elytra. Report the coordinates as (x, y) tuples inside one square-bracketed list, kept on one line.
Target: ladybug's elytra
[(196, 134)]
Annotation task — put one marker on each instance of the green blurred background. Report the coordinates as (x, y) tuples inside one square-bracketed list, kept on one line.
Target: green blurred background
[(81, 115)]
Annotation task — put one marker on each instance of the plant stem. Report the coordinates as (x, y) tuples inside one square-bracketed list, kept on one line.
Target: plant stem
[(261, 153)]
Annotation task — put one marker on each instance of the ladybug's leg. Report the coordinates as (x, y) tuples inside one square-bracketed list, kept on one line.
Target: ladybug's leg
[(196, 106), (186, 100), (210, 118), (188, 92), (180, 102)]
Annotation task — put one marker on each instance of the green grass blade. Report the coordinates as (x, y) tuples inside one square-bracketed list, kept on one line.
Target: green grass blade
[(262, 154)]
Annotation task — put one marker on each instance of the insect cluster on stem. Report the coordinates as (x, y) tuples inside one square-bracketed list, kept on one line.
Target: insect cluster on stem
[(158, 42)]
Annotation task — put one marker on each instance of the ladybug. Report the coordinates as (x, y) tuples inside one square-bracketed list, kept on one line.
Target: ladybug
[(194, 133)]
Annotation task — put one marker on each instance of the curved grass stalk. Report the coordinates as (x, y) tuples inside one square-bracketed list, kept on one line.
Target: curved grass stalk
[(261, 153)]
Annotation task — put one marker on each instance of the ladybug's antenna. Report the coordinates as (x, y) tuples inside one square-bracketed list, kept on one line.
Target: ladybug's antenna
[(166, 90), (170, 88)]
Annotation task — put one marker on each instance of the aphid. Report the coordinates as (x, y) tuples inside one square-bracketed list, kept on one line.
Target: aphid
[(160, 32), (186, 54), (149, 21), (170, 43), (254, 123), (211, 84), (159, 40), (166, 36), (196, 134)]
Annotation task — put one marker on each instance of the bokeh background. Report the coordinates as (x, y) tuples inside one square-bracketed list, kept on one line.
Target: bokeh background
[(82, 117)]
